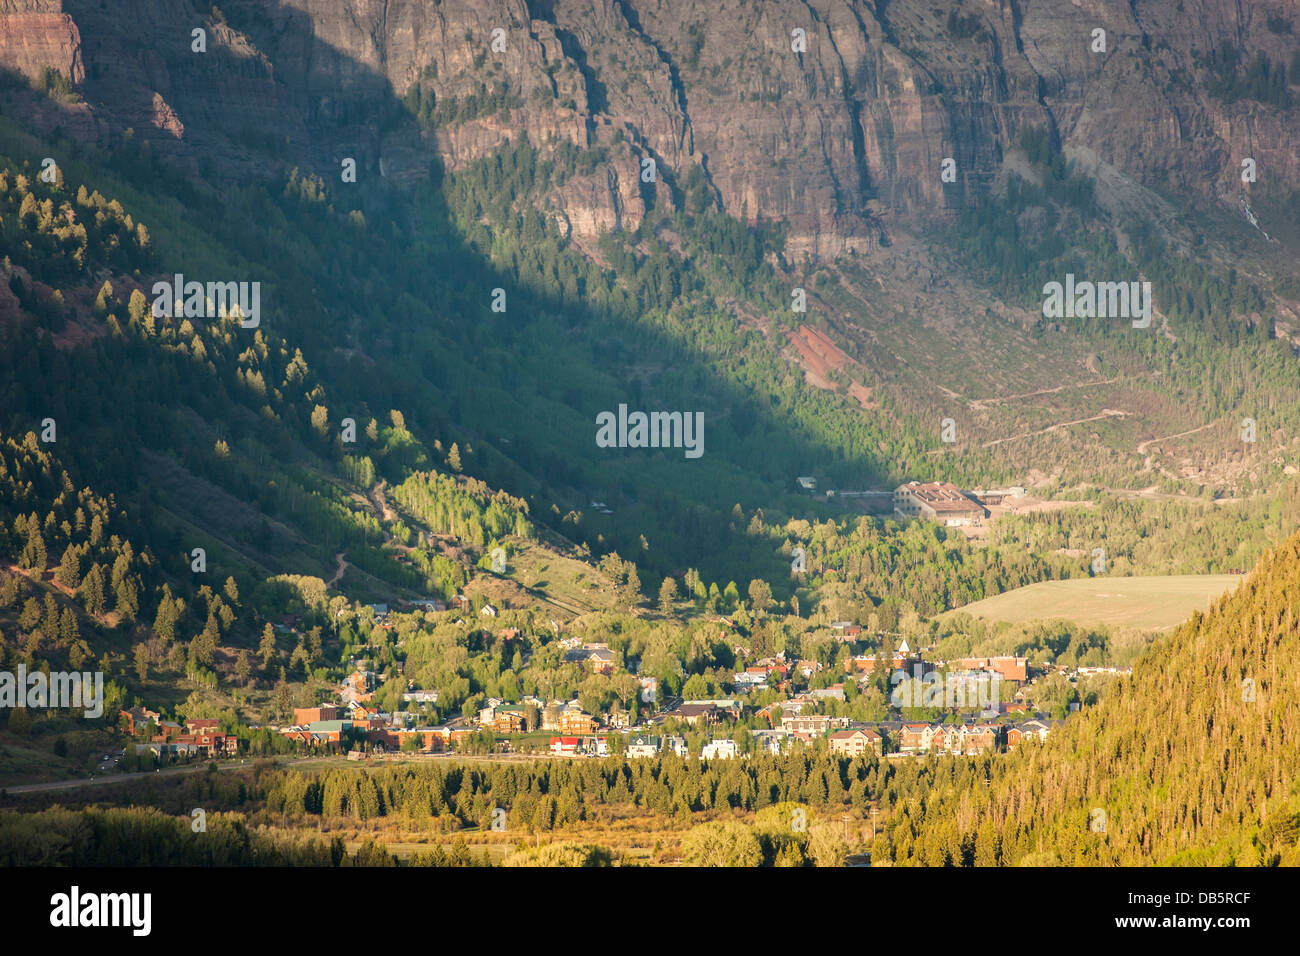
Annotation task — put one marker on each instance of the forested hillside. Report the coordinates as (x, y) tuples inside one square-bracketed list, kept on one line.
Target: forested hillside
[(1193, 761)]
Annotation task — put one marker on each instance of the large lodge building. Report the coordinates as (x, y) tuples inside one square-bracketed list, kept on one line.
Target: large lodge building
[(938, 501)]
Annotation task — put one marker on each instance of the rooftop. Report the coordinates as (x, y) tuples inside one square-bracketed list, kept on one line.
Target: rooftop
[(942, 496)]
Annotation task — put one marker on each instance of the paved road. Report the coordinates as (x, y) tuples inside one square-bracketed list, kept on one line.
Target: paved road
[(98, 781), (107, 779)]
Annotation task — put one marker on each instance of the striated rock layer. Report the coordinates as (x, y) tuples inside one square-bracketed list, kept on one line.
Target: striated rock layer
[(836, 130)]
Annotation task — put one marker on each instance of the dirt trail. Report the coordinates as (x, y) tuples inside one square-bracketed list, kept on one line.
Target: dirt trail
[(109, 779), (1144, 445), (981, 403), (1104, 413), (381, 503), (343, 566)]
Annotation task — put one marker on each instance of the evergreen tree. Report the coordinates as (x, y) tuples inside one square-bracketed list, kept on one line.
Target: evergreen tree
[(33, 557), (69, 572), (69, 632), (31, 614), (667, 595), (92, 590), (127, 597), (164, 623), (266, 648)]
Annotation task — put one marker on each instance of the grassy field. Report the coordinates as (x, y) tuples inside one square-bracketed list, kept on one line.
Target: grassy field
[(1143, 602), (547, 574)]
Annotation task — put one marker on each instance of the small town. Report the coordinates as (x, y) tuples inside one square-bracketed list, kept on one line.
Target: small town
[(982, 705)]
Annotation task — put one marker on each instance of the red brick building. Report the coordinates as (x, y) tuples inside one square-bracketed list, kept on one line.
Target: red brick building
[(309, 715)]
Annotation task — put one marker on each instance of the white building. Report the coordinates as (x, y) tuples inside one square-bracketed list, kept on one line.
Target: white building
[(421, 697), (640, 746), (723, 749)]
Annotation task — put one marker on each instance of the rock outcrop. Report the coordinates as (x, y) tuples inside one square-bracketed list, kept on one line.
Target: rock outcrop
[(37, 35)]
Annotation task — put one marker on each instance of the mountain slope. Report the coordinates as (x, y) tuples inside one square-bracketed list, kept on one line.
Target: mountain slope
[(1194, 760)]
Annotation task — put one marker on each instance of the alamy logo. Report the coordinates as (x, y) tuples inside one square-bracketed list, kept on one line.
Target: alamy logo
[(61, 689), (194, 300), (74, 908), (655, 430), (954, 690), (1098, 300)]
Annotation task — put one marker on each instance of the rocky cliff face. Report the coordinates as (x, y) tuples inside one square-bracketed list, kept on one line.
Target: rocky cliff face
[(38, 34), (832, 115)]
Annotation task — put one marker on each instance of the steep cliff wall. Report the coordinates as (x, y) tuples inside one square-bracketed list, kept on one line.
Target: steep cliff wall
[(38, 34), (837, 130)]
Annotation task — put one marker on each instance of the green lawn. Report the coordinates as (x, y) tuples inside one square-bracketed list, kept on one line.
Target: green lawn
[(1145, 602)]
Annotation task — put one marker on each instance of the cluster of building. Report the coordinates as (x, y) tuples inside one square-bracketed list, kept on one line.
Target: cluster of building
[(843, 739), (563, 717), (641, 746), (1007, 668), (197, 739), (969, 737), (577, 733), (763, 673), (356, 721)]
